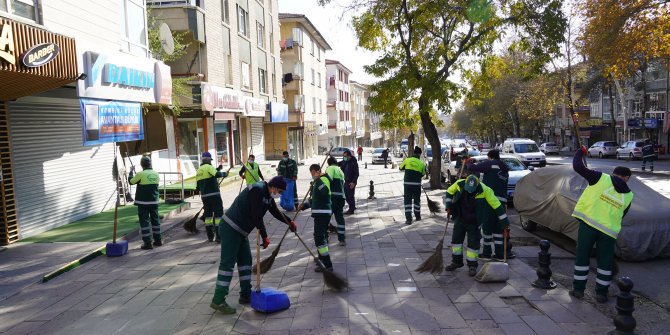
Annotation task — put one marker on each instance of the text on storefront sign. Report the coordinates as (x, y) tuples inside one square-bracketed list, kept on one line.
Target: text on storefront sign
[(126, 76), (40, 54), (7, 44)]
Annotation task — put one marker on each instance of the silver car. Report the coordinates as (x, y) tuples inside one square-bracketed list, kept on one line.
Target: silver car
[(630, 150), (339, 151), (603, 149), (549, 148), (517, 170)]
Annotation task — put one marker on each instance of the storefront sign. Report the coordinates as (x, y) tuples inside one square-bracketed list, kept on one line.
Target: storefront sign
[(7, 44), (40, 54), (119, 76), (594, 122), (110, 121), (254, 107), (278, 112), (220, 99), (651, 123), (634, 123)]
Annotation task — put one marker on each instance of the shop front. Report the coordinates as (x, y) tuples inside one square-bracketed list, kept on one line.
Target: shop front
[(32, 61), (283, 132), (223, 108)]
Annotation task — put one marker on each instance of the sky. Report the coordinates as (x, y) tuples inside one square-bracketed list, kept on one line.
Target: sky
[(336, 29)]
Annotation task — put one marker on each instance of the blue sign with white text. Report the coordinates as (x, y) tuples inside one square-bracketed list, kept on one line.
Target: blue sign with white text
[(110, 121)]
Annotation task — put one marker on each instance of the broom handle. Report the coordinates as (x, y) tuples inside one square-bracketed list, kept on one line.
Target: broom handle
[(575, 126), (258, 260), (116, 202), (446, 227)]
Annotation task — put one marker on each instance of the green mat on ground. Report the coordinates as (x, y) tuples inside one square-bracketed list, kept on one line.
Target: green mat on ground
[(98, 227)]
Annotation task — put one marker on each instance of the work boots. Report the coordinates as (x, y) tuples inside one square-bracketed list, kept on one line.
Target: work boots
[(210, 232), (146, 246), (245, 299), (217, 238), (223, 307), (453, 266), (472, 270)]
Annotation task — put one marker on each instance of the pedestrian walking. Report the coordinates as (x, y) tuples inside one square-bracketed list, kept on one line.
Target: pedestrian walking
[(288, 168), (471, 203), (359, 151), (349, 166), (255, 175), (414, 169), (146, 200), (648, 155), (245, 214), (337, 197), (321, 206), (210, 194), (599, 211), (495, 174), (385, 156)]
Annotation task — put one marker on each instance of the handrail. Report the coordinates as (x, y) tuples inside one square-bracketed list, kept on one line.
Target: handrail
[(181, 177)]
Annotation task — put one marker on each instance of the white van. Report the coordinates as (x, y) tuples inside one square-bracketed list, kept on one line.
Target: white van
[(526, 150)]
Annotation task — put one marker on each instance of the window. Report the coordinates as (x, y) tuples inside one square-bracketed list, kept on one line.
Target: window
[(225, 12), (314, 105), (246, 80), (133, 27), (228, 59), (272, 36), (263, 80), (260, 35), (320, 106), (318, 54), (313, 77), (274, 82), (319, 79), (242, 21), (26, 9)]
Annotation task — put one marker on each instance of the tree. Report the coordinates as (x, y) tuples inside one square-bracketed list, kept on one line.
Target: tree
[(396, 109), (424, 42)]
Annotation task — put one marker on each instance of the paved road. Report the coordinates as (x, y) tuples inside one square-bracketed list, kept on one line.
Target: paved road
[(607, 164)]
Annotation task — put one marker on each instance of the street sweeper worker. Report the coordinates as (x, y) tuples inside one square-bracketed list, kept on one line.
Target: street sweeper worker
[(255, 169), (337, 197), (470, 203), (244, 214), (288, 168), (599, 211), (321, 206), (210, 194), (495, 174), (146, 200), (414, 169)]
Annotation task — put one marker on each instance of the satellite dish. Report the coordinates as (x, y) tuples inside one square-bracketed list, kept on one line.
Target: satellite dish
[(167, 41)]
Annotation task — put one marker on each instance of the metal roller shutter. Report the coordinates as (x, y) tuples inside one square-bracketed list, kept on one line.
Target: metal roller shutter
[(257, 138), (58, 180)]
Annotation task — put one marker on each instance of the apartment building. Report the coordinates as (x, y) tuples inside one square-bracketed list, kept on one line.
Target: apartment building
[(340, 127), (359, 98), (303, 51), (233, 60)]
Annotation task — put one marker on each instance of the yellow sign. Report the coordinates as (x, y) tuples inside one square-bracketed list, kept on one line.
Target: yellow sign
[(7, 44)]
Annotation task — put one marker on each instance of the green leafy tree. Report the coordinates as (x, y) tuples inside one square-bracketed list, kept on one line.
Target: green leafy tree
[(424, 42)]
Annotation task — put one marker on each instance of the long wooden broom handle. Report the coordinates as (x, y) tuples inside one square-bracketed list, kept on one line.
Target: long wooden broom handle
[(258, 260)]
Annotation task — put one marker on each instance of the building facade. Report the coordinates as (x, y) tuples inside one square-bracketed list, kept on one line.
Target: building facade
[(340, 127)]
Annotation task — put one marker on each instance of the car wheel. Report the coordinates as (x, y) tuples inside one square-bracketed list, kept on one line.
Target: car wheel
[(588, 153), (600, 155), (630, 156), (528, 225), (618, 157)]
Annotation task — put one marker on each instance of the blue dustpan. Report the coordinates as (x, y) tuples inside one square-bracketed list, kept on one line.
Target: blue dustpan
[(117, 249), (269, 300)]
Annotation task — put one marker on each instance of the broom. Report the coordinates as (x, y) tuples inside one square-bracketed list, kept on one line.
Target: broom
[(575, 126), (266, 264), (330, 278), (434, 264), (433, 206), (190, 225)]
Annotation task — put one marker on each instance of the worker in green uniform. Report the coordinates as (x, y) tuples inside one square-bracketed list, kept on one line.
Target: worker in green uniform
[(337, 197), (245, 214), (471, 203), (648, 155), (254, 168), (146, 200), (414, 169), (210, 194), (599, 211), (321, 206), (288, 168)]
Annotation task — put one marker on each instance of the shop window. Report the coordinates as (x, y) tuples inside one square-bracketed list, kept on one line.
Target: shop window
[(134, 27), (191, 143), (222, 134), (26, 9)]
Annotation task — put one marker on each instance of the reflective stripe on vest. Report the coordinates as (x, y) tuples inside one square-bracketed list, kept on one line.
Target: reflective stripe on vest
[(602, 207)]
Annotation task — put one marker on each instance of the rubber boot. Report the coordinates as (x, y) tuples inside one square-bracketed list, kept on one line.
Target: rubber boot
[(453, 266), (472, 270), (210, 232), (217, 238), (245, 299)]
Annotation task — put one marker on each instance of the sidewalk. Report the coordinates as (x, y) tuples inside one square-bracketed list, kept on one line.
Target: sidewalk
[(168, 289)]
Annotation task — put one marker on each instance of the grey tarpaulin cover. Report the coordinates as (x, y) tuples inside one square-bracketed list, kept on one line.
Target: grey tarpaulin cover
[(548, 196)]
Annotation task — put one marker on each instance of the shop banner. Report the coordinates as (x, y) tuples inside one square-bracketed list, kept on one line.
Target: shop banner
[(110, 121)]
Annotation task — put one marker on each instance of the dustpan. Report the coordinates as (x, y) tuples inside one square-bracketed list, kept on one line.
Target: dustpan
[(267, 299), (495, 272)]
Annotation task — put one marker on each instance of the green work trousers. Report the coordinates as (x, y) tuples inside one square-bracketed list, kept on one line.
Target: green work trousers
[(457, 239), (338, 212), (234, 249), (150, 224), (320, 239), (412, 194), (586, 238), (492, 232)]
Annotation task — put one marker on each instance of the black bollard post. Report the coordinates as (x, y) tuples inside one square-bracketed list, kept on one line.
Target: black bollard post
[(625, 305), (366, 165), (543, 271), (372, 190)]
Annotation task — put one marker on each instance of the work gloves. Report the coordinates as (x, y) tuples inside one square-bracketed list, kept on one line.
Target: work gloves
[(295, 178), (292, 226), (583, 149), (219, 168), (266, 242)]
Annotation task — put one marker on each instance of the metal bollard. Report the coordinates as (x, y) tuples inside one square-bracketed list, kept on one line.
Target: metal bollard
[(625, 305), (366, 165), (372, 190), (543, 271)]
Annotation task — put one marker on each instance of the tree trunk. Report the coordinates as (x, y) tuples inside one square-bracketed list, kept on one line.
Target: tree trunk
[(431, 134), (410, 144)]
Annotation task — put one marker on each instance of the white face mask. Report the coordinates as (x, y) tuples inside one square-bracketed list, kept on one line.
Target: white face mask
[(275, 195), (251, 161)]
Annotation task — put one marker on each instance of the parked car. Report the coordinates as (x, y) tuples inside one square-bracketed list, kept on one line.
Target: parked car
[(603, 149), (339, 151), (630, 150), (549, 148), (517, 170), (548, 196), (525, 150), (377, 156), (449, 171)]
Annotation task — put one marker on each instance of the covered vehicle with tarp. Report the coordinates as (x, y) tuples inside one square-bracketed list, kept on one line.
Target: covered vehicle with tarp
[(548, 196)]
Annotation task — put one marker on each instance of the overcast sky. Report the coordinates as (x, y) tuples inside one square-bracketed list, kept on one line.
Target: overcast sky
[(337, 31)]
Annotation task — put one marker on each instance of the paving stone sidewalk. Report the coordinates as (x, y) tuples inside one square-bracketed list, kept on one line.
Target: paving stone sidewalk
[(168, 290)]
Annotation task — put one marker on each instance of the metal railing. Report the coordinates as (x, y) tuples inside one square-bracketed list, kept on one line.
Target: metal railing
[(181, 179)]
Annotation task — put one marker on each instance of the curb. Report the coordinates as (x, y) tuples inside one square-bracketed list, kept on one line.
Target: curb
[(102, 250)]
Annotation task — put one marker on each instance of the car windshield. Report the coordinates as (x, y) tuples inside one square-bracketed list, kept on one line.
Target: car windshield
[(525, 147), (379, 150), (429, 152), (639, 144), (513, 164), (610, 144)]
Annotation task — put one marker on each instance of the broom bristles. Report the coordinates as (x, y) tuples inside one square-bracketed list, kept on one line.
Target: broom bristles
[(433, 206), (433, 264), (266, 264), (191, 225), (334, 281)]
